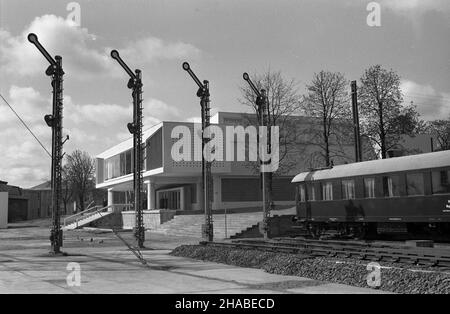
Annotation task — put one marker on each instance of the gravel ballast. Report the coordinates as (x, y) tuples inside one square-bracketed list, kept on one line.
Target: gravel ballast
[(393, 277)]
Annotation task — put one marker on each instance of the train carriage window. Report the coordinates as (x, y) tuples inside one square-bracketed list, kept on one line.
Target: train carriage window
[(301, 192), (440, 181), (311, 192), (391, 186), (369, 187), (348, 189), (327, 191), (415, 184)]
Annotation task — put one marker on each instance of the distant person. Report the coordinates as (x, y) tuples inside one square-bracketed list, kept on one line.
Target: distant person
[(105, 202)]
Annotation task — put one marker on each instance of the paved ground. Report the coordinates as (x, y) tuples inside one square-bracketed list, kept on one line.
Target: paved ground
[(108, 267)]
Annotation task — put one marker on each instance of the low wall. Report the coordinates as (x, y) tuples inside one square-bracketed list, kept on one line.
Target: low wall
[(113, 220), (152, 218), (236, 210), (281, 226)]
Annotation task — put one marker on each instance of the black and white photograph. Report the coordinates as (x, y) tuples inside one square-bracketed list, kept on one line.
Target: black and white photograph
[(225, 155)]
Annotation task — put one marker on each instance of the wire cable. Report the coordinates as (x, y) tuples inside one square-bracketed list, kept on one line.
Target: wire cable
[(26, 126)]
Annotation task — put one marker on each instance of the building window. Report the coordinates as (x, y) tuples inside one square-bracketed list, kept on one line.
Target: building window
[(440, 181), (415, 184), (327, 191), (118, 165), (193, 193), (348, 189), (391, 186), (143, 157), (128, 161), (369, 187)]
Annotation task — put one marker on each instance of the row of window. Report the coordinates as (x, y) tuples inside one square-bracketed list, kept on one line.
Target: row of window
[(415, 185), (121, 164)]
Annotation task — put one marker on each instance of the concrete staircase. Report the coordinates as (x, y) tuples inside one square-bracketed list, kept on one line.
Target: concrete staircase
[(191, 225)]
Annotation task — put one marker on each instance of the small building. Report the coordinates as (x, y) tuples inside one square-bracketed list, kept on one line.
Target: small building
[(412, 145), (40, 199), (18, 202)]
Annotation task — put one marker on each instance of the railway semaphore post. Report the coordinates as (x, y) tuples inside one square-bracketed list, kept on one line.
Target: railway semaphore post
[(261, 104), (135, 128), (54, 120), (203, 94)]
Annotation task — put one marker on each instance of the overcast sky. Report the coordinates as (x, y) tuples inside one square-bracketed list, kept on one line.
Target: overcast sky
[(220, 39)]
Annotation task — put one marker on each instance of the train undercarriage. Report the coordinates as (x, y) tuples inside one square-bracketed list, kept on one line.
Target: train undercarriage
[(439, 231)]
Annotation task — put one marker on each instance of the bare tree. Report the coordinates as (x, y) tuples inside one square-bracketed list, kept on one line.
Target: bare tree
[(283, 102), (328, 101), (441, 131), (67, 190), (409, 121), (80, 171), (380, 98)]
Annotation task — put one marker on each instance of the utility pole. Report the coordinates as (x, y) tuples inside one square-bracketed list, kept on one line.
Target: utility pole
[(54, 120), (357, 135), (261, 104), (135, 128), (203, 94)]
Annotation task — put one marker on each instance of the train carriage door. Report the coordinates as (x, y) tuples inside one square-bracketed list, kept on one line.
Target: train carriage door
[(302, 200)]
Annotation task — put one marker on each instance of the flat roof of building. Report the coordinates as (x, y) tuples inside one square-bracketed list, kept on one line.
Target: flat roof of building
[(128, 143)]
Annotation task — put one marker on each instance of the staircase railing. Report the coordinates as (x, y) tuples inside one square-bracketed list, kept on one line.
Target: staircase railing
[(94, 210)]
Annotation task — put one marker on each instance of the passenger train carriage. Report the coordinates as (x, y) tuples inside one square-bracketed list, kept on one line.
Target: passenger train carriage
[(403, 194)]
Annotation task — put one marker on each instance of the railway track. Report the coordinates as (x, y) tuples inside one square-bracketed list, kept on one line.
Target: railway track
[(346, 249)]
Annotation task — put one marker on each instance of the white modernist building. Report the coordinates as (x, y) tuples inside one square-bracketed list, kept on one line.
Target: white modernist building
[(177, 185)]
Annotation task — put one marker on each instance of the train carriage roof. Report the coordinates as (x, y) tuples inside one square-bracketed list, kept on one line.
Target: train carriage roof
[(379, 166)]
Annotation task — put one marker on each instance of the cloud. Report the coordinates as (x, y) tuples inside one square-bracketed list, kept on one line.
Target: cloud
[(81, 58), (59, 37), (150, 49), (91, 127), (22, 98), (194, 120), (418, 6), (23, 160), (430, 103), (160, 109)]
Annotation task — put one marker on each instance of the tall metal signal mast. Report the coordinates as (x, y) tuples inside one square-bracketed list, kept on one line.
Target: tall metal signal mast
[(261, 104), (54, 121), (135, 128), (203, 94)]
